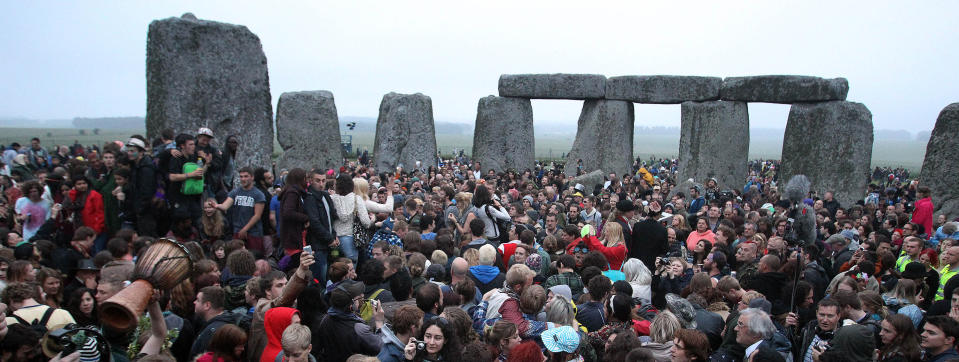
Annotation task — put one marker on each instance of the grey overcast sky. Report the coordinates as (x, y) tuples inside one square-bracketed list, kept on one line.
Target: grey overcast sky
[(62, 59)]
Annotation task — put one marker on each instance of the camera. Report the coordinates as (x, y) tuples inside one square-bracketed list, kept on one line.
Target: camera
[(420, 345), (70, 338)]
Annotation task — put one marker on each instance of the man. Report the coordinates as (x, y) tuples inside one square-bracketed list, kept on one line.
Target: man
[(746, 254), (851, 308), (284, 297), (343, 332), (184, 175), (143, 187), (769, 281), (407, 321), (922, 212), (753, 327), (397, 277), (22, 300), (731, 290), (214, 163), (245, 217), (504, 303), (590, 213), (36, 154), (938, 338), (714, 264), (820, 330), (841, 253), (459, 271), (296, 344), (830, 204), (81, 247), (911, 248), (950, 262), (320, 235), (749, 230), (648, 238), (696, 202), (485, 275), (478, 233), (712, 217), (814, 273), (209, 306), (550, 229), (427, 224), (429, 299), (566, 276), (591, 314), (573, 215)]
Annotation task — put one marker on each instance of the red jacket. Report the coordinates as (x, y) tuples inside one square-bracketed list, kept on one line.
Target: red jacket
[(92, 213), (922, 215), (614, 255)]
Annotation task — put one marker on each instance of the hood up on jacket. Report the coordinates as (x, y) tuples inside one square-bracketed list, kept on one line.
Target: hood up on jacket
[(484, 273), (275, 322)]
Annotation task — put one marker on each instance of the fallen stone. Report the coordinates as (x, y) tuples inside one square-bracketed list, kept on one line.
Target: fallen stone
[(590, 180), (830, 143), (663, 89), (940, 169), (308, 130), (553, 86), (783, 89), (604, 138), (405, 133), (714, 142), (503, 136), (203, 73)]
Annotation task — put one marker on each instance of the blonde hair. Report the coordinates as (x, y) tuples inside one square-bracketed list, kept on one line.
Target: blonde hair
[(439, 257), (296, 337), (517, 274), (463, 200), (361, 187), (664, 327), (613, 234), (471, 256), (487, 255), (681, 260)]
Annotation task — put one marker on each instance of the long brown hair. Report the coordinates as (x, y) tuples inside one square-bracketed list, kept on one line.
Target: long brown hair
[(906, 341), (225, 341)]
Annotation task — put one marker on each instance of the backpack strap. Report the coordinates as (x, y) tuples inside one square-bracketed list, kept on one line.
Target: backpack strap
[(376, 293), (491, 218), (46, 316), (20, 320)]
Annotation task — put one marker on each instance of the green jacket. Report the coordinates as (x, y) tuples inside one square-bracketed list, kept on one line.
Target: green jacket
[(111, 206)]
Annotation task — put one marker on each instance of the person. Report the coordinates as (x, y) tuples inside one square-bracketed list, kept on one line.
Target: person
[(504, 303), (83, 307), (21, 298), (143, 186), (32, 210), (612, 246), (213, 161), (407, 322), (486, 276), (828, 315), (939, 336), (440, 343), (491, 213), (562, 344), (900, 343), (592, 314), (690, 345), (51, 284), (640, 279), (851, 343), (350, 208), (461, 215), (619, 312), (88, 204), (565, 275), (320, 234), (81, 247), (296, 345), (501, 338), (950, 267), (911, 247), (226, 345), (648, 238), (753, 328), (292, 216), (672, 277), (185, 181), (343, 331), (922, 210), (246, 204), (702, 232), (36, 154), (209, 306)]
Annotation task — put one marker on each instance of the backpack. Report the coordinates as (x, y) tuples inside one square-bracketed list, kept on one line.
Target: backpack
[(366, 309), (502, 227), (191, 186), (614, 275), (38, 325)]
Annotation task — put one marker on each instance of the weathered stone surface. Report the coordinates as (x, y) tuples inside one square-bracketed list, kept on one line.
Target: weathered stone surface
[(405, 132), (590, 180), (683, 185), (503, 136), (830, 143), (663, 89), (203, 73), (308, 129), (553, 86), (714, 142), (940, 169), (783, 89), (604, 138)]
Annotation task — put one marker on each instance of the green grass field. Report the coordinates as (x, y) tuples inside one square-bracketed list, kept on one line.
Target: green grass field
[(894, 153)]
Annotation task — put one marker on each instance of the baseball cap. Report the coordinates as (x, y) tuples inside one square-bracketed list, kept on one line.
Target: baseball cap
[(205, 132), (562, 339), (136, 142)]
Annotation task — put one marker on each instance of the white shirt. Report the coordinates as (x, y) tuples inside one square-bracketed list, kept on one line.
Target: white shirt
[(752, 348)]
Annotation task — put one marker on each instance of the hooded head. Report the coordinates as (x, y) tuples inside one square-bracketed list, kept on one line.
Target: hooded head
[(275, 322)]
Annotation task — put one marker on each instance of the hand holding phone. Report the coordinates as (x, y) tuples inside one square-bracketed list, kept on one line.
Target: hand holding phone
[(308, 249)]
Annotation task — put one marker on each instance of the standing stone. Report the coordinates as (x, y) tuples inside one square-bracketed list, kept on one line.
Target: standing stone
[(783, 89), (604, 138), (663, 89), (831, 143), (405, 133), (203, 73), (940, 169), (503, 137), (553, 86), (308, 129), (714, 142)]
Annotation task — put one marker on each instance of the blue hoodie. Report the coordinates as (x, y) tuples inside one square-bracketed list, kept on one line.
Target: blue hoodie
[(484, 273)]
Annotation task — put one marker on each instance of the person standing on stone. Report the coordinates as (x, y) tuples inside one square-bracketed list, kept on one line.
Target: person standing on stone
[(247, 214), (103, 181), (185, 180), (143, 187), (36, 155), (830, 204), (213, 163), (922, 215), (229, 162)]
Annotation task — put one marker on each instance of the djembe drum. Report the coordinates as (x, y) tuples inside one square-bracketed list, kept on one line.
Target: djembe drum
[(162, 266)]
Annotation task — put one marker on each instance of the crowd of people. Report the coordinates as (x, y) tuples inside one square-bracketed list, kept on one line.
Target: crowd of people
[(451, 262)]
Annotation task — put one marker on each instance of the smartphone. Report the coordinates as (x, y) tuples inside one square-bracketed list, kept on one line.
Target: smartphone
[(308, 249)]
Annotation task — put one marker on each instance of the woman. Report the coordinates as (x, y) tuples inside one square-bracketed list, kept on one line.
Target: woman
[(21, 271), (350, 209), (562, 344), (361, 187), (899, 340), (440, 343), (639, 278), (83, 307), (491, 212), (619, 314), (613, 246), (702, 232), (661, 333), (293, 217), (460, 217), (673, 277), (218, 253), (873, 305), (679, 223), (501, 338), (32, 209), (902, 300), (213, 226), (227, 345), (52, 286), (690, 345), (104, 182), (700, 252)]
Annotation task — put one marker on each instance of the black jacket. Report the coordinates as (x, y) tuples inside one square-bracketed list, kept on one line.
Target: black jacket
[(816, 275), (344, 334), (320, 234), (144, 185), (648, 241), (206, 334)]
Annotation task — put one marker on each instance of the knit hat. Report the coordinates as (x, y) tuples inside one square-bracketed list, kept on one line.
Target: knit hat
[(534, 261), (562, 339), (562, 289), (683, 310), (436, 273)]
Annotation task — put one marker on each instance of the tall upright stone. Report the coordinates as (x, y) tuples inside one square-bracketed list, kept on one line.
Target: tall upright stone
[(308, 130), (405, 132), (604, 137), (940, 169), (503, 136), (831, 143), (204, 73), (714, 142)]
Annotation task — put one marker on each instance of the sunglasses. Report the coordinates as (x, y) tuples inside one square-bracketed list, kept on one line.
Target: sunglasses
[(581, 249)]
